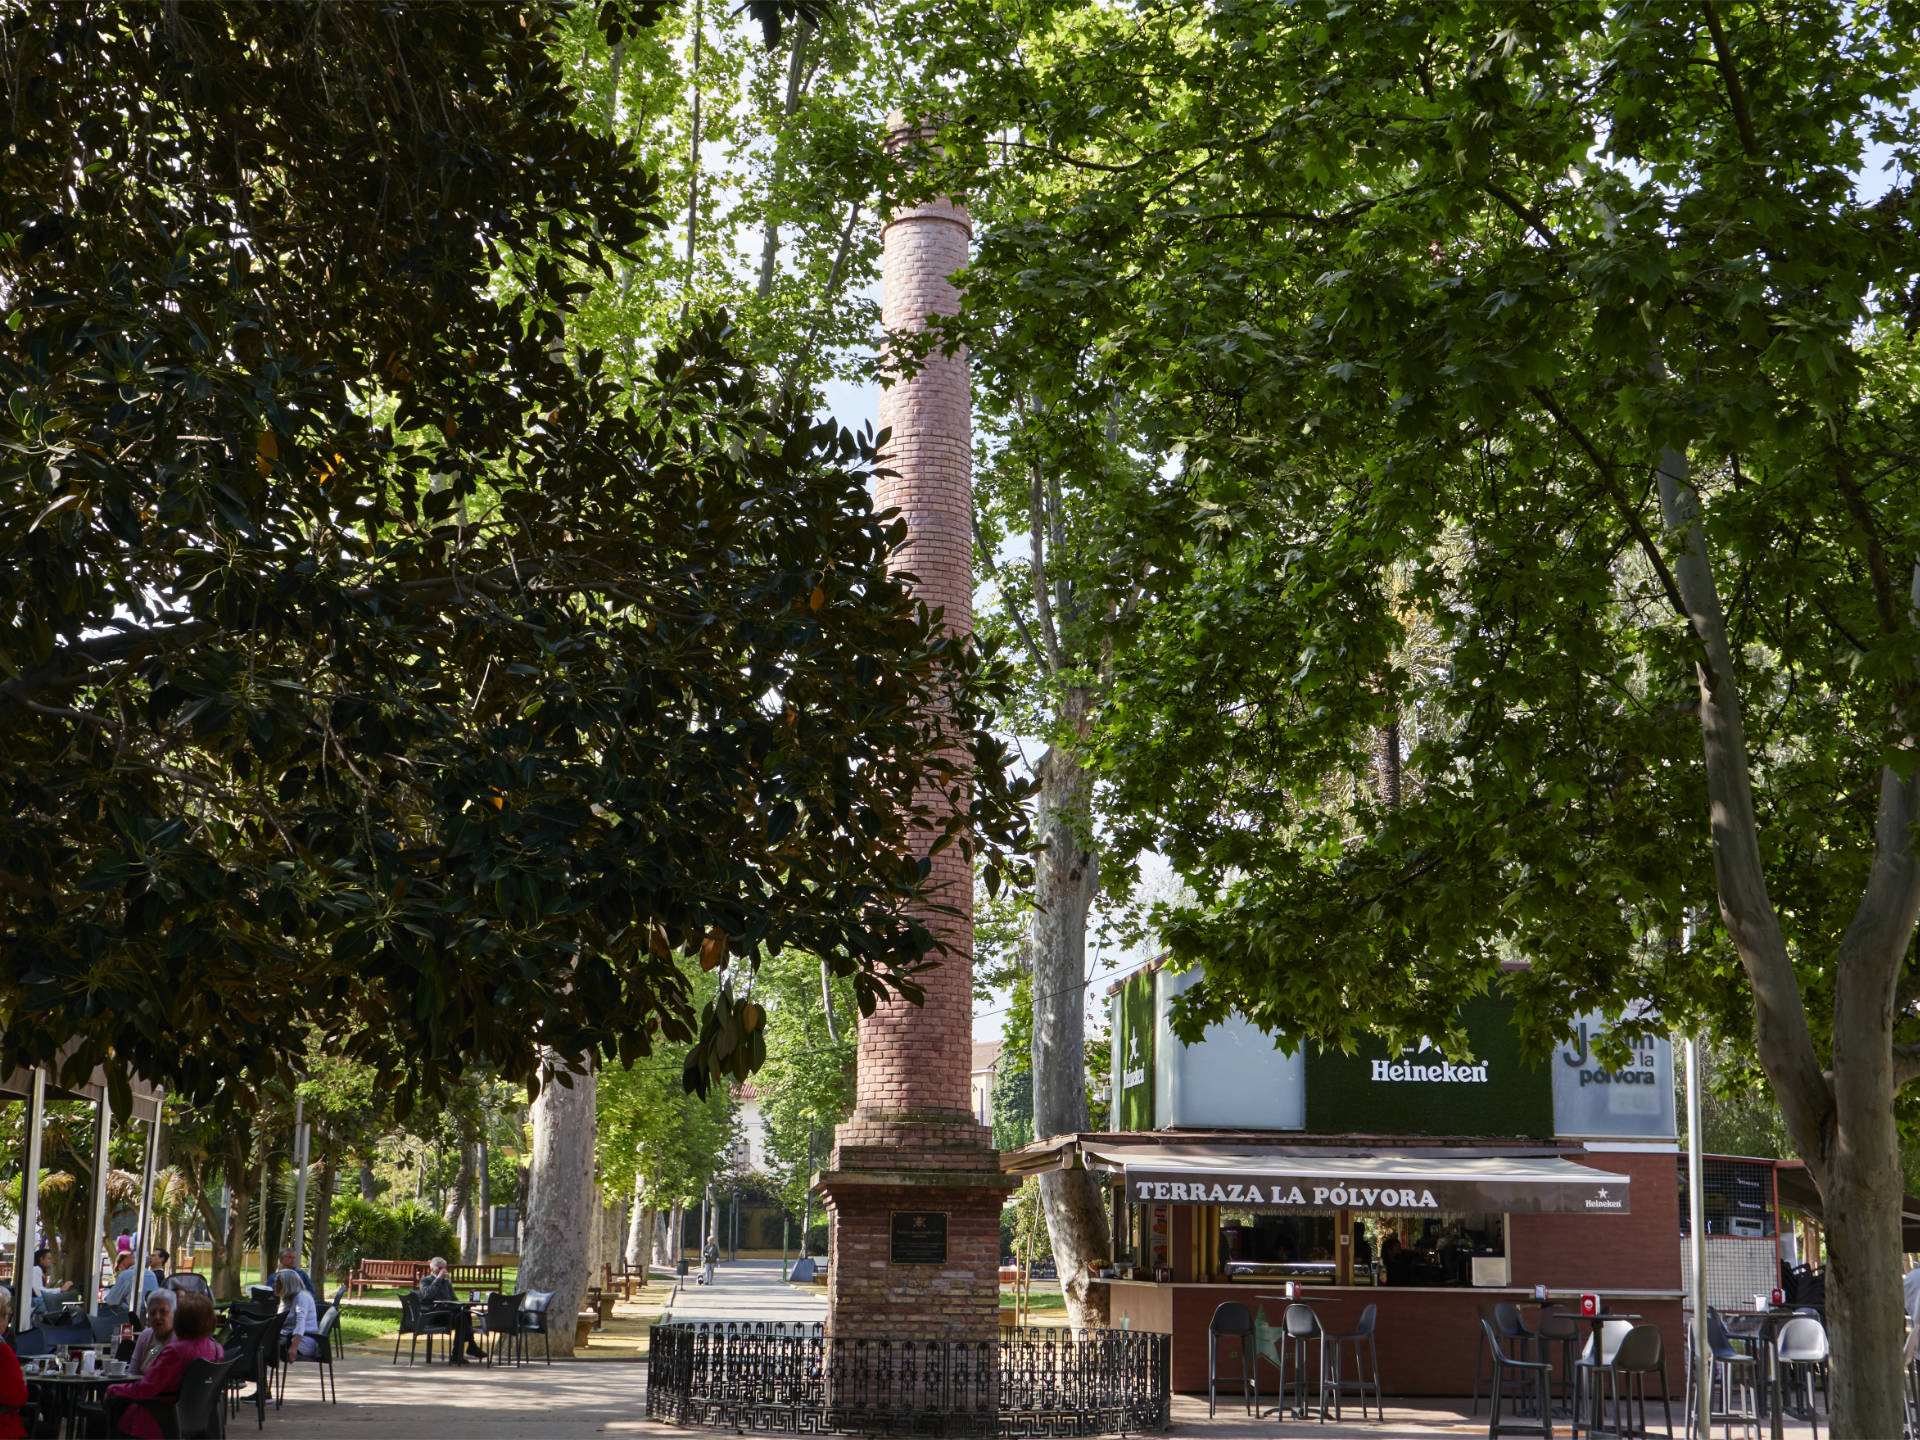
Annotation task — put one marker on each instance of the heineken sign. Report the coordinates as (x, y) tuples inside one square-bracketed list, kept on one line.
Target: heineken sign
[(1421, 1090), (1445, 1073)]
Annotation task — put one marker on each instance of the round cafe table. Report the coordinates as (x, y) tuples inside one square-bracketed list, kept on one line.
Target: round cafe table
[(60, 1396)]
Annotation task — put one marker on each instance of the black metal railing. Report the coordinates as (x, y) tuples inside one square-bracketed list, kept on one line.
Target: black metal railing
[(795, 1379)]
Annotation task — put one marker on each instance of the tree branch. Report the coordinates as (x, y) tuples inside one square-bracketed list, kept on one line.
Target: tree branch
[(1730, 77), (1780, 1016), (1013, 611), (1906, 1064), (1622, 504), (1526, 213)]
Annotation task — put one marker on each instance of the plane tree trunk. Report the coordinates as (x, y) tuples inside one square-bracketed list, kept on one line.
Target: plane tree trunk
[(560, 1199), (1066, 881), (1841, 1123)]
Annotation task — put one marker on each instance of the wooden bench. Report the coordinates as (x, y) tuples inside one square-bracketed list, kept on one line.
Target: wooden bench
[(476, 1277), (384, 1275)]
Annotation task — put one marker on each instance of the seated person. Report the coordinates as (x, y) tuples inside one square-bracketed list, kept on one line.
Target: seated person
[(148, 1344), (300, 1331), (290, 1260), (119, 1295), (45, 1296), (436, 1293), (13, 1384), (160, 1385)]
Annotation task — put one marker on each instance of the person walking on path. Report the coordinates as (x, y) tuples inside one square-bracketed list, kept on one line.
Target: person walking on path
[(709, 1257)]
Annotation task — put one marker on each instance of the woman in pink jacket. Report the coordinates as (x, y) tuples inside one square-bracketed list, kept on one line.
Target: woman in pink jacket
[(160, 1385)]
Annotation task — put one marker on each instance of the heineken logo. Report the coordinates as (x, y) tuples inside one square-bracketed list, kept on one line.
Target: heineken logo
[(1135, 1071), (1445, 1073), (1339, 1197)]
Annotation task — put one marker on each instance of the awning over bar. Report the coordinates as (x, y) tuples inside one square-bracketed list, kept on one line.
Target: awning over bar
[(1304, 1178)]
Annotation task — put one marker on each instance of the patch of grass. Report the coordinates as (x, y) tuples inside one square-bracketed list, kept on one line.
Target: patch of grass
[(360, 1323), (1036, 1300)]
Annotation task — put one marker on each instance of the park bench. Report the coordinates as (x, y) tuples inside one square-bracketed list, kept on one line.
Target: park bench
[(476, 1277), (384, 1275)]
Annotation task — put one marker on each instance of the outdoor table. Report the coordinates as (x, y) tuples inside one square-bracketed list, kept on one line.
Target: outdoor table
[(1762, 1328), (62, 1394), (1309, 1301)]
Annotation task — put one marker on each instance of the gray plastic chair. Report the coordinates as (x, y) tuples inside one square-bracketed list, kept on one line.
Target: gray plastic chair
[(1361, 1338), (1231, 1318), (1802, 1352), (1638, 1352), (1733, 1376), (1302, 1328), (1535, 1374)]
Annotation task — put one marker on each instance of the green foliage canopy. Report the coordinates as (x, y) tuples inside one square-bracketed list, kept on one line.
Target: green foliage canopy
[(377, 671)]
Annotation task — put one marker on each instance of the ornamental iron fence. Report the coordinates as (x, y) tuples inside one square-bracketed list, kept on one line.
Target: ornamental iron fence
[(796, 1379)]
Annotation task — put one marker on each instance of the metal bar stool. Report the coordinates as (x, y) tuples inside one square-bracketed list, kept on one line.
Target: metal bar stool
[(1535, 1373)]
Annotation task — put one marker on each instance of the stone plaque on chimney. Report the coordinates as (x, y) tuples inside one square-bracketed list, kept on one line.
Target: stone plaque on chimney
[(919, 1237)]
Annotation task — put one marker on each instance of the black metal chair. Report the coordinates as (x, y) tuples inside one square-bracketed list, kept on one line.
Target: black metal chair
[(533, 1319), (321, 1359), (1638, 1352), (1361, 1338), (1802, 1352), (195, 1412), (419, 1322), (1482, 1359), (501, 1326), (249, 1343), (1537, 1374), (187, 1282), (1235, 1320), (1560, 1331)]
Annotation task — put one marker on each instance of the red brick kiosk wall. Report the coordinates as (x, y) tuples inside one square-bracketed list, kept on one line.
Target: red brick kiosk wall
[(1429, 1339)]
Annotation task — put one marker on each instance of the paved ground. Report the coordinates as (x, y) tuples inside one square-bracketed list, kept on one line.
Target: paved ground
[(749, 1290), (582, 1398)]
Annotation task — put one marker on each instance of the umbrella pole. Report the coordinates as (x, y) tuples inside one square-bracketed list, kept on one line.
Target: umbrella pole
[(301, 1140), (23, 1296), (96, 1236)]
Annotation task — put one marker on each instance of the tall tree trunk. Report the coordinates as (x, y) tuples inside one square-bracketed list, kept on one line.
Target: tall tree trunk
[(637, 1231), (455, 1213), (677, 1232), (796, 76), (369, 1182), (1066, 880), (483, 1182), (559, 1225), (328, 1174), (1842, 1127)]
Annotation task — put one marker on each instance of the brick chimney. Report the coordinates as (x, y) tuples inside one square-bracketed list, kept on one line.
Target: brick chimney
[(914, 1176)]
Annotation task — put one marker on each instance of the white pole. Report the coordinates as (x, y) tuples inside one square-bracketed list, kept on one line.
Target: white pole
[(1697, 1249), (96, 1238), (302, 1139), (29, 1205), (141, 1235)]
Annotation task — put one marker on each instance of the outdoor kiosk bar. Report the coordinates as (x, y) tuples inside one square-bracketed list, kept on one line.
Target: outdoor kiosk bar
[(1429, 1186)]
